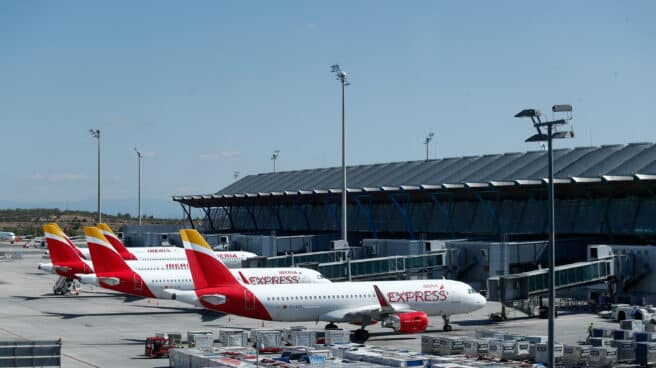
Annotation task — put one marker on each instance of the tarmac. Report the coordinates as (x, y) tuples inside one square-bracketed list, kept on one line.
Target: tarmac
[(101, 328)]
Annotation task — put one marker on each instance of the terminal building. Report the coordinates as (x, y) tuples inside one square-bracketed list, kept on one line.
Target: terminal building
[(485, 215)]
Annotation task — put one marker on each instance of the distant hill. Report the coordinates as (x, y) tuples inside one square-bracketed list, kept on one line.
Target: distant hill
[(29, 221), (158, 207)]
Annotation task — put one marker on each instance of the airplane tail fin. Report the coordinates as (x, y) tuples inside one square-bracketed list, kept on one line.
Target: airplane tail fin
[(207, 270), (104, 257), (116, 242), (58, 245), (68, 240)]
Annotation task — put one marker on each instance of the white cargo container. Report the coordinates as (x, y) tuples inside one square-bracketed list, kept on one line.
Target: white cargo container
[(302, 338), (267, 341), (634, 325), (542, 353), (429, 344), (475, 348), (204, 342), (576, 355), (502, 350), (603, 357), (233, 338), (600, 341), (450, 345), (625, 350), (337, 337)]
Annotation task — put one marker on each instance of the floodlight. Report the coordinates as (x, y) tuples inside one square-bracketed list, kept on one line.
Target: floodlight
[(528, 113), (561, 108)]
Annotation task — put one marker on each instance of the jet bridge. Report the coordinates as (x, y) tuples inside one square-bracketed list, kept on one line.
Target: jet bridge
[(522, 286), (335, 266)]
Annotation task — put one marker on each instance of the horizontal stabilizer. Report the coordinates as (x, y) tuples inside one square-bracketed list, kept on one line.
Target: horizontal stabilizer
[(214, 299)]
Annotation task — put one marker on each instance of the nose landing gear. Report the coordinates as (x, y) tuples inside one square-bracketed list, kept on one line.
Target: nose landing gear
[(447, 327)]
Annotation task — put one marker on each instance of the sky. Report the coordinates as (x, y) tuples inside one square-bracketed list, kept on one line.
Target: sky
[(209, 88)]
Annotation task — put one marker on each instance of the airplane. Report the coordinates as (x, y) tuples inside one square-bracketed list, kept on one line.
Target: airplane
[(150, 279), (401, 305), (8, 236), (232, 259)]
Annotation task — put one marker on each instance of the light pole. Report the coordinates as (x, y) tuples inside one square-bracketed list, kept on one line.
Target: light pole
[(429, 138), (541, 137), (274, 157), (139, 157), (95, 133), (341, 76)]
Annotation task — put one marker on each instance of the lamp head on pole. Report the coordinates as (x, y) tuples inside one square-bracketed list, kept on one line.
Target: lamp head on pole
[(275, 155), (95, 133), (341, 76), (429, 138), (139, 154)]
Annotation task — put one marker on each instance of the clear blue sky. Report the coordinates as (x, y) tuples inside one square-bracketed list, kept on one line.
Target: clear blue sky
[(209, 88)]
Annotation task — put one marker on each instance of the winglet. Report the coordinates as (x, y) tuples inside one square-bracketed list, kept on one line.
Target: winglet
[(243, 278), (116, 242), (381, 298)]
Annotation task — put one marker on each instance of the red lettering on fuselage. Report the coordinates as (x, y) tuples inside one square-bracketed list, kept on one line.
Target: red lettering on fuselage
[(273, 280), (428, 296)]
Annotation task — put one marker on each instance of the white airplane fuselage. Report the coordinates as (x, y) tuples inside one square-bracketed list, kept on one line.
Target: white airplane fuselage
[(347, 301)]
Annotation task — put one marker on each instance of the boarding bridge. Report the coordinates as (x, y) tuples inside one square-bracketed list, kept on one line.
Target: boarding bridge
[(522, 286), (335, 266)]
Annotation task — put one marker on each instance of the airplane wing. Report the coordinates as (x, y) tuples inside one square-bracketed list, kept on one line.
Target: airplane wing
[(373, 311)]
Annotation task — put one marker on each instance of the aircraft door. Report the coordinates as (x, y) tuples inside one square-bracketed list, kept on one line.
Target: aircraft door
[(138, 283), (249, 300)]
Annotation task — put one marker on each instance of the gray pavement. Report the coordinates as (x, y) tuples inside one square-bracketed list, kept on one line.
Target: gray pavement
[(101, 328)]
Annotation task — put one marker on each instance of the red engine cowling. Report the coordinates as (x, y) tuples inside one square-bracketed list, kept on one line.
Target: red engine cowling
[(411, 322)]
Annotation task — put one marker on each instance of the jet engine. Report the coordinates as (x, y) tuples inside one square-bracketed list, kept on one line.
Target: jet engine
[(410, 322)]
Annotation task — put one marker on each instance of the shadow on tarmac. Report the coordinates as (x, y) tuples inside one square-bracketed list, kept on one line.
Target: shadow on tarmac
[(206, 316), (94, 295)]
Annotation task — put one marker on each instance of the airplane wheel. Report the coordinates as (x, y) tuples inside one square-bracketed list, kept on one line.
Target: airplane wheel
[(331, 326), (448, 328), (361, 335)]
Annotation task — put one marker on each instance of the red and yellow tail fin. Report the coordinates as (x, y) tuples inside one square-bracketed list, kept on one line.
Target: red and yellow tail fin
[(59, 245), (104, 257), (115, 242), (207, 270), (68, 240)]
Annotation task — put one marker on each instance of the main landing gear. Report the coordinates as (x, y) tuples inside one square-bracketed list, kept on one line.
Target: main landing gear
[(64, 286), (361, 335), (447, 326), (331, 326)]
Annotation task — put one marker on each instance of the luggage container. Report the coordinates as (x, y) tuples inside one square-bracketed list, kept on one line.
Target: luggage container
[(600, 341), (204, 342), (644, 336), (576, 355), (603, 357), (625, 350), (337, 337), (622, 335), (645, 353), (634, 325), (522, 349), (302, 338), (450, 345), (542, 353), (267, 341), (429, 344), (475, 348), (191, 334), (502, 350), (602, 332), (233, 338)]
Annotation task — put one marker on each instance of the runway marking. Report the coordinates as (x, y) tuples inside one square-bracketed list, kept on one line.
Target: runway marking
[(63, 354)]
